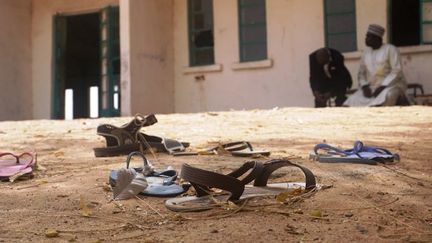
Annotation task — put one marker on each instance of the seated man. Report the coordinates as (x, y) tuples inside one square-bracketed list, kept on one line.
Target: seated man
[(380, 75), (328, 76)]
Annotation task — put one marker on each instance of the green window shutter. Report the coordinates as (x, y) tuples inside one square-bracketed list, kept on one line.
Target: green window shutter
[(200, 23), (58, 66), (109, 91), (252, 30), (340, 25), (426, 21)]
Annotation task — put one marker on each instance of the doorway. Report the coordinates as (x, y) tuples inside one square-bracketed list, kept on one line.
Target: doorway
[(86, 70), (405, 22)]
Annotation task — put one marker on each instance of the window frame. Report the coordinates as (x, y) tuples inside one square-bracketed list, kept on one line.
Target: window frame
[(191, 31), (326, 27), (243, 43), (423, 23)]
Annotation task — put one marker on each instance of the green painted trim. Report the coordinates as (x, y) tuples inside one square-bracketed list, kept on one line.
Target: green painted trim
[(55, 99), (340, 13), (340, 33), (249, 5), (192, 50), (326, 39), (110, 57), (254, 43), (240, 39), (202, 48), (423, 23), (327, 34), (389, 21), (254, 24), (241, 25), (59, 30)]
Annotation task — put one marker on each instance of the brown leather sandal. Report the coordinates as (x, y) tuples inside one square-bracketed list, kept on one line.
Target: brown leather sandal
[(236, 189)]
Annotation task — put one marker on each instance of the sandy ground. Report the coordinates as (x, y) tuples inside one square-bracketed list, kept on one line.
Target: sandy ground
[(383, 203)]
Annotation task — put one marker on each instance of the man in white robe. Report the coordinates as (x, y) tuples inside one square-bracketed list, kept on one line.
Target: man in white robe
[(380, 75)]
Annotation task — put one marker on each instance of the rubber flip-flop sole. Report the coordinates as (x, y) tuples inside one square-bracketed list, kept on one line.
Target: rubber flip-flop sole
[(195, 204)]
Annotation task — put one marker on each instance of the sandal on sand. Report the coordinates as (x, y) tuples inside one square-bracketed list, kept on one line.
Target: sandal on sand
[(161, 144), (359, 154), (203, 181), (240, 148), (127, 138), (160, 184), (13, 166)]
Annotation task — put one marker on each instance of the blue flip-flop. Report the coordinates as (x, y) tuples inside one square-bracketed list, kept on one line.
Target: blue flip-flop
[(358, 154), (160, 184)]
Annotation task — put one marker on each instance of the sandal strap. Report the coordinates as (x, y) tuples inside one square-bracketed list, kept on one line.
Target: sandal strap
[(256, 170), (203, 180), (272, 165), (140, 121), (358, 148), (233, 146), (126, 133), (147, 168), (17, 158)]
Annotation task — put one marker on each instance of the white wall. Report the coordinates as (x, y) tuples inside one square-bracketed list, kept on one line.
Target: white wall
[(147, 56), (15, 61), (42, 26), (295, 28), (154, 50)]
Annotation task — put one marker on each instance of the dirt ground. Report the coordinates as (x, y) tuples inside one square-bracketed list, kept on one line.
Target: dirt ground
[(361, 203)]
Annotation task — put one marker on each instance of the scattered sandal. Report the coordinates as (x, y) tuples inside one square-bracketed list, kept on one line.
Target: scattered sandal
[(128, 138), (203, 181), (14, 166), (160, 184), (359, 154), (240, 148)]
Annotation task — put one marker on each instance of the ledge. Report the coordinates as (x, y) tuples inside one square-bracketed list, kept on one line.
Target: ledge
[(403, 50), (268, 63), (203, 69), (352, 55), (415, 49)]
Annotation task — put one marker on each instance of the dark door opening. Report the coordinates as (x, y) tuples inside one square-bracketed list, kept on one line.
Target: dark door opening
[(86, 70), (82, 61), (405, 19)]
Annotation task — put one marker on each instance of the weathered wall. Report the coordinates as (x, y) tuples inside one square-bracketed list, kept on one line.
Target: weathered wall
[(15, 61), (147, 56), (155, 73), (294, 29), (42, 26), (415, 59)]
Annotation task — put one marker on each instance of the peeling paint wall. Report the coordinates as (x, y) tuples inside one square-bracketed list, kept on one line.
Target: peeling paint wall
[(147, 56), (42, 27), (15, 61), (294, 29)]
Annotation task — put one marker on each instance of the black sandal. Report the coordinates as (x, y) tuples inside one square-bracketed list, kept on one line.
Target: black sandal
[(127, 138), (236, 190)]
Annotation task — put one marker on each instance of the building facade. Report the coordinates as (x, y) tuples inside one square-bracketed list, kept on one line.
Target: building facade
[(165, 56)]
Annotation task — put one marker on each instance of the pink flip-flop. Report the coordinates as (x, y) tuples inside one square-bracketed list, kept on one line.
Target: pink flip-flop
[(11, 164)]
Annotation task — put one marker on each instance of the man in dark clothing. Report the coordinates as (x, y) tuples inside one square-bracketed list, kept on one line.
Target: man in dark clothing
[(328, 76)]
